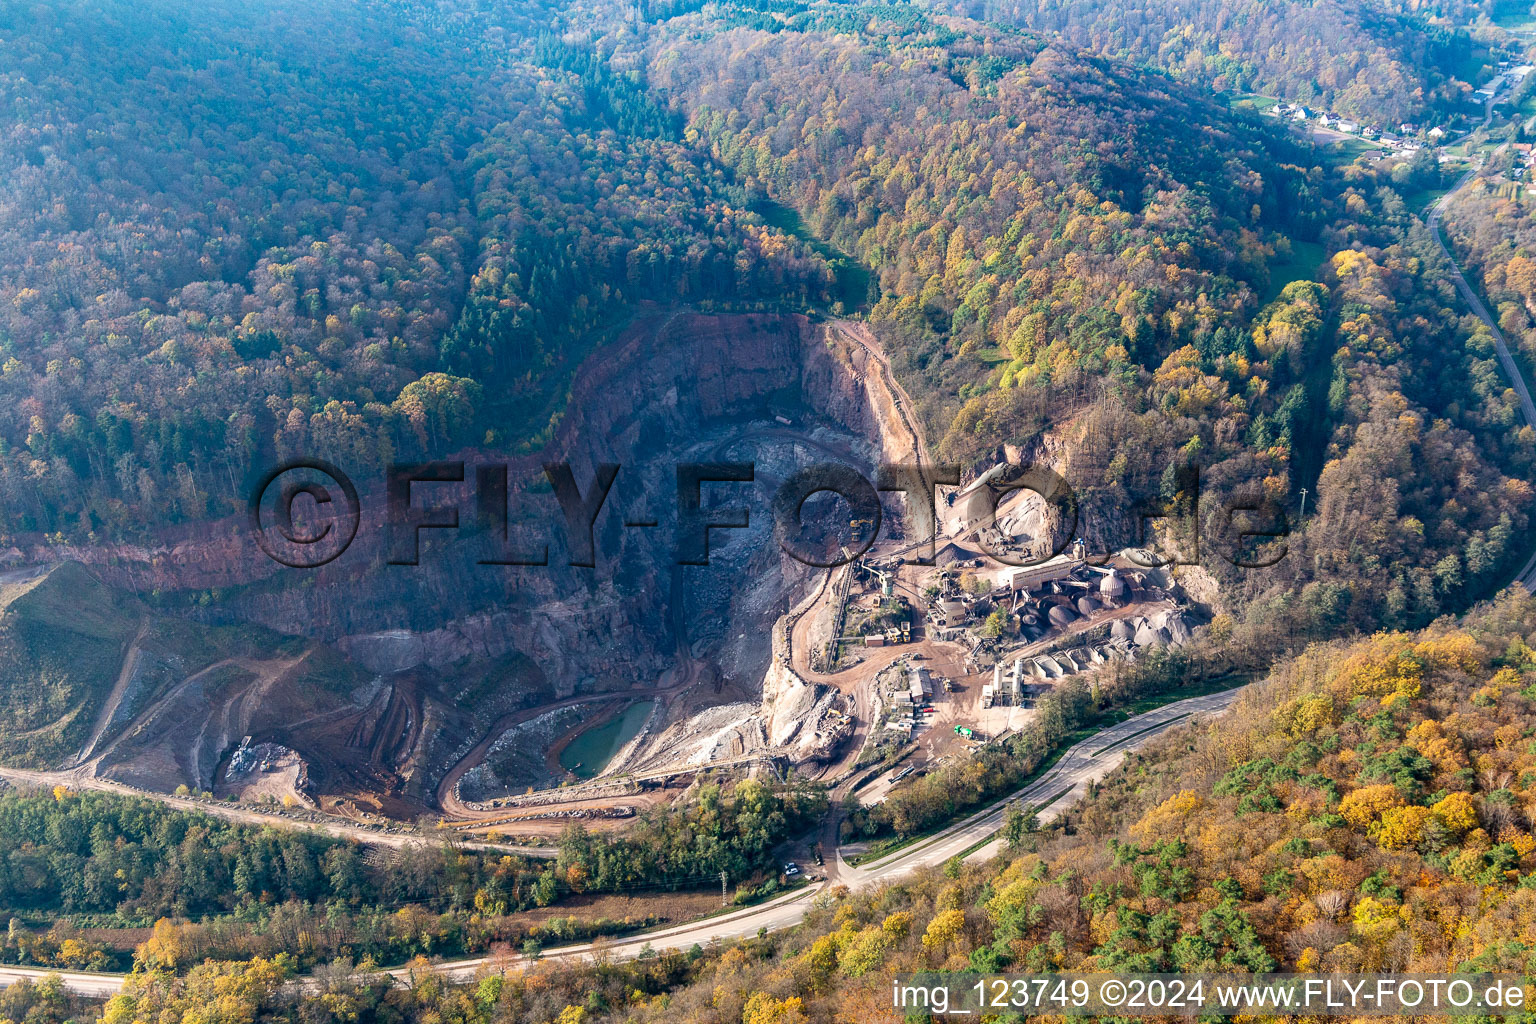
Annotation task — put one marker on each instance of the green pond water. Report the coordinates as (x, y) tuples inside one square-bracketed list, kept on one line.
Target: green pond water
[(590, 752)]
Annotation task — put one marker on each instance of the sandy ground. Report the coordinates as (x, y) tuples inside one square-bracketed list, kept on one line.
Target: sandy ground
[(257, 786)]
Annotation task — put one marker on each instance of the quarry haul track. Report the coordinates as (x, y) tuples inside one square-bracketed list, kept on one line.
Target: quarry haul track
[(447, 790), (971, 839), (79, 779), (860, 334), (109, 707)]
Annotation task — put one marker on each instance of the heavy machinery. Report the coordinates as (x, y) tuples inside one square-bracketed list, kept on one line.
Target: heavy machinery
[(858, 526)]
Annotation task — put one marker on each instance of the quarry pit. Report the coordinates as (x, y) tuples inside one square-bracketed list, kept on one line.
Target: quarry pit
[(454, 690)]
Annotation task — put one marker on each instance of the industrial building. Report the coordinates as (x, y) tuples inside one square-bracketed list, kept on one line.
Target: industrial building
[(1016, 683), (919, 684), (953, 613), (1033, 577)]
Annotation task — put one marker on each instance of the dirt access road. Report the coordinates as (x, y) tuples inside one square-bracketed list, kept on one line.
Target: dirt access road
[(1050, 795), (78, 780)]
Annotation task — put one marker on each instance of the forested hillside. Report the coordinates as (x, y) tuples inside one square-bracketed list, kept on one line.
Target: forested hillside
[(1493, 225), (1376, 61), (388, 230), (231, 233), (1065, 247), (401, 241), (71, 863), (1366, 808)]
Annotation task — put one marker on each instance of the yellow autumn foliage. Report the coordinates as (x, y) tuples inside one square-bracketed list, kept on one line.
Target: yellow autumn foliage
[(822, 956), (1011, 899), (763, 1008), (1375, 920), (1168, 817), (943, 929), (864, 953), (1390, 666), (1453, 650), (1457, 812), (1440, 743), (1305, 715), (1523, 842), (1402, 827), (1364, 807)]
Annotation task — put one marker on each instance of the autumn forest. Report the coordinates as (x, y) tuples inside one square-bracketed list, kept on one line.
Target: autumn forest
[(380, 231)]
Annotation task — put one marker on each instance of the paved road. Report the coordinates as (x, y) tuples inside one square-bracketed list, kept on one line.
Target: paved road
[(97, 986), (1506, 359), (1051, 794), (1055, 791), (1526, 577), (1059, 788)]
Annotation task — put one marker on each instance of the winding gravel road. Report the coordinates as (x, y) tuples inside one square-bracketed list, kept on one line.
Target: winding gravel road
[(326, 824)]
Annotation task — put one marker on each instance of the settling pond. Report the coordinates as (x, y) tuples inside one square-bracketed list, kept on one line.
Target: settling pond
[(590, 752)]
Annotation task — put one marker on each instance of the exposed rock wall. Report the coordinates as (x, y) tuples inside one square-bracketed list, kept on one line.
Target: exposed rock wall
[(678, 387)]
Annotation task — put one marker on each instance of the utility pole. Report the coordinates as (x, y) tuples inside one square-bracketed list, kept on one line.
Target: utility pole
[(723, 901), (1303, 503)]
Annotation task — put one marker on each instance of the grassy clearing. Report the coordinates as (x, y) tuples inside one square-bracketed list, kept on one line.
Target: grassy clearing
[(1516, 21), (1347, 150), (1301, 265), (1253, 100), (1424, 198), (852, 276)]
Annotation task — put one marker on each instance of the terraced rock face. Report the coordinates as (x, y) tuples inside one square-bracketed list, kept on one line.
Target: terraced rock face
[(61, 634), (381, 677), (97, 679)]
